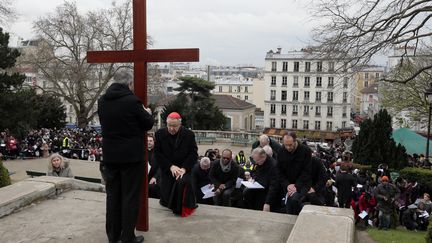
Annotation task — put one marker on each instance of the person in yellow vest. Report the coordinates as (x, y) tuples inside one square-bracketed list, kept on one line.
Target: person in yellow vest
[(240, 158), (248, 166)]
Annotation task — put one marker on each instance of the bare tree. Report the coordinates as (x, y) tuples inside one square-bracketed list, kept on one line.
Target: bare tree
[(60, 57), (6, 11), (358, 30)]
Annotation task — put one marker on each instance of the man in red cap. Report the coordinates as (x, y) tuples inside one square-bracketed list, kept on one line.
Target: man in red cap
[(176, 153)]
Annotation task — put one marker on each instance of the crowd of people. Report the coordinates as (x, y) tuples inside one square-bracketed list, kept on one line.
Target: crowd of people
[(291, 175), (85, 144)]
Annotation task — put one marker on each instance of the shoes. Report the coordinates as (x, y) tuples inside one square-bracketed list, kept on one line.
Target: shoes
[(139, 239)]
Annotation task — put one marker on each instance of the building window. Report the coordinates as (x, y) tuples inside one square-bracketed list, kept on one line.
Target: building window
[(220, 89), (283, 123), (366, 84), (306, 95), (284, 80), (345, 97), (345, 83), (329, 111), (318, 111), (294, 124), (330, 82), (306, 125), (274, 65), (329, 126), (285, 67), (283, 109), (307, 66), (272, 94), (343, 124), (344, 112), (246, 97), (329, 96), (295, 95), (306, 110), (296, 66), (317, 96), (307, 82), (377, 75), (345, 67), (366, 76), (272, 109), (246, 89), (272, 122), (295, 110), (319, 82), (284, 95), (169, 89), (295, 83), (319, 66), (317, 125), (238, 89), (230, 88), (273, 81), (331, 66)]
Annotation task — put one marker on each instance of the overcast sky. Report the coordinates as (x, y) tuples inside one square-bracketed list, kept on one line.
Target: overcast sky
[(227, 32)]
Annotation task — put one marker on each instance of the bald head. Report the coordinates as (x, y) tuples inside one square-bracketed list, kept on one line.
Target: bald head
[(264, 140)]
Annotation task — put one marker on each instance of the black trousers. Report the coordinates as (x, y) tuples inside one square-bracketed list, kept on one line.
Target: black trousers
[(176, 194), (123, 187), (254, 198), (294, 203)]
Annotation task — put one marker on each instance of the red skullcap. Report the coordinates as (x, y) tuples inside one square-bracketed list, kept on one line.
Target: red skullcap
[(174, 115)]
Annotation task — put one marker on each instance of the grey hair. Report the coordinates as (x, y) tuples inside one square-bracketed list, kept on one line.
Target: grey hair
[(268, 150), (53, 156), (259, 151), (205, 161), (123, 77)]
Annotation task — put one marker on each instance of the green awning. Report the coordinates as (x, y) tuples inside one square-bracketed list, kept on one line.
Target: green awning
[(413, 142)]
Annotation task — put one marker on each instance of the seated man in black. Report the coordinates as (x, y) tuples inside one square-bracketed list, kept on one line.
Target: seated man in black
[(223, 175), (154, 173), (293, 174), (315, 195), (200, 178), (263, 173)]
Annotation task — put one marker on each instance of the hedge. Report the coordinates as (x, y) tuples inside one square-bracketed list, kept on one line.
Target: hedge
[(422, 176), (4, 176)]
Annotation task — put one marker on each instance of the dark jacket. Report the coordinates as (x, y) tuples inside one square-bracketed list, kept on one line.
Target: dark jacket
[(154, 169), (319, 176), (200, 178), (217, 176), (124, 121), (182, 153), (264, 173), (291, 168), (276, 146), (344, 183)]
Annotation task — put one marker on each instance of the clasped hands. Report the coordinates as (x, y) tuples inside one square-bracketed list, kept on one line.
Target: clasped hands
[(177, 172), (220, 189)]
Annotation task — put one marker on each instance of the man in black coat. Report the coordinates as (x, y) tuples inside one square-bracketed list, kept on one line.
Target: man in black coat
[(263, 174), (223, 174), (315, 195), (154, 172), (124, 120), (200, 178), (345, 181), (264, 140), (176, 153), (293, 174)]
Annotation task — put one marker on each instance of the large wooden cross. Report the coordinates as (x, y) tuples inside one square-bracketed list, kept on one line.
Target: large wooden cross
[(140, 56)]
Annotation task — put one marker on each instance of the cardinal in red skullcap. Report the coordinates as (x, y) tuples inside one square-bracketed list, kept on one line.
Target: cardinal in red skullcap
[(176, 153)]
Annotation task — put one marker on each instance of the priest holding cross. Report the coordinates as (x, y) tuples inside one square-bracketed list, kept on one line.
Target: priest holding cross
[(140, 56)]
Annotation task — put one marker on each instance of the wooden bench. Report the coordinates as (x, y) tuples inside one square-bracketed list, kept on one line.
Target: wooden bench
[(240, 141), (200, 140), (82, 178)]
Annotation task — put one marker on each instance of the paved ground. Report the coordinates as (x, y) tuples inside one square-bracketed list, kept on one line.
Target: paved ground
[(79, 216), (88, 168)]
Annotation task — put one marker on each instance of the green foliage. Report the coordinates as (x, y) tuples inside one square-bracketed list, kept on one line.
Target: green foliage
[(4, 175), (396, 235), (196, 105), (374, 144), (8, 58), (422, 176), (428, 235)]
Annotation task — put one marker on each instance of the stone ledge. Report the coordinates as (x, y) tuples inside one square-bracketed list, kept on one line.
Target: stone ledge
[(25, 192), (323, 224)]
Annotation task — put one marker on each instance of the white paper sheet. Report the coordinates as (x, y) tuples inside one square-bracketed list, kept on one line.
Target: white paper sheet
[(207, 188), (363, 214), (239, 182), (334, 189), (254, 185), (359, 186), (370, 222), (209, 194)]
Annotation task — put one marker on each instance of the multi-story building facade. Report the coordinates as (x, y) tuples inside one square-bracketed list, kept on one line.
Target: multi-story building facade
[(364, 77), (305, 92), (236, 86)]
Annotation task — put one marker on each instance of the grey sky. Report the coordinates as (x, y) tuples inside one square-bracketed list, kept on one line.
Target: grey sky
[(228, 32)]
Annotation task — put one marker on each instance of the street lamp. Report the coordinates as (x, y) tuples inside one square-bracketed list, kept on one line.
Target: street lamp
[(428, 95)]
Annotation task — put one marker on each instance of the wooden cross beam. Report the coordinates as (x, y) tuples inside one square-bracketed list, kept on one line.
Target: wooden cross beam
[(140, 56)]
